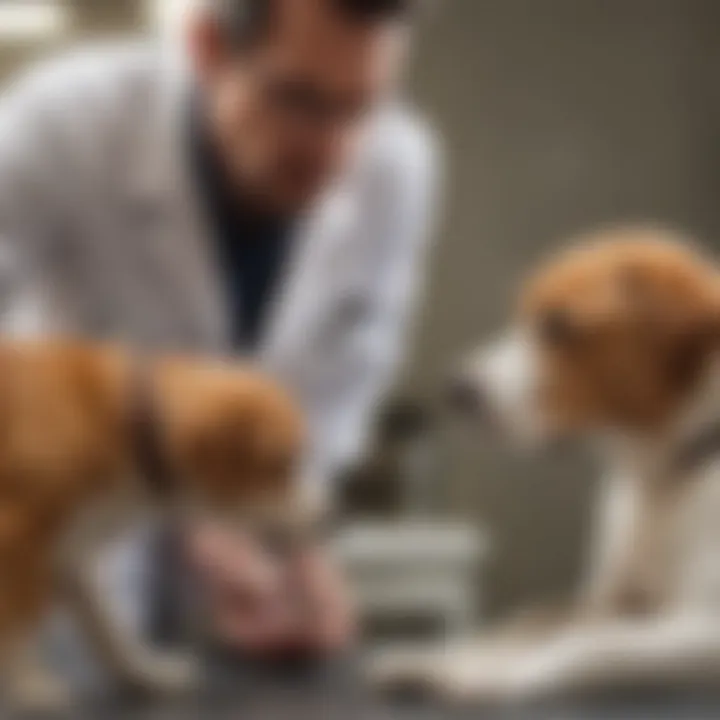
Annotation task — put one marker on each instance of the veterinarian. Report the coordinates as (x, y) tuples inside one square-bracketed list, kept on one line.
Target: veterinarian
[(262, 192)]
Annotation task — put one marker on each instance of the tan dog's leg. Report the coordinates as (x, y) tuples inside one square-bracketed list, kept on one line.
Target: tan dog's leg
[(28, 685), (130, 659)]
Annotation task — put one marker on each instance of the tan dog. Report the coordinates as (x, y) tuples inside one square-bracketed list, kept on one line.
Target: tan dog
[(617, 340), (77, 427)]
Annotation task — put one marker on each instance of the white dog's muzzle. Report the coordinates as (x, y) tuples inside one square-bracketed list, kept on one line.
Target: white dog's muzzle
[(499, 385)]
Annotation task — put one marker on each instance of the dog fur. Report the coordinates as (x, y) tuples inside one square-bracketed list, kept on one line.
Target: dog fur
[(70, 480), (617, 340)]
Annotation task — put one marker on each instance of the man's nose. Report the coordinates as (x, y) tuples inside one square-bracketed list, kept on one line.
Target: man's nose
[(464, 394)]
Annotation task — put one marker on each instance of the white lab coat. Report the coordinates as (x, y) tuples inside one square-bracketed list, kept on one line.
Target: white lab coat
[(103, 235)]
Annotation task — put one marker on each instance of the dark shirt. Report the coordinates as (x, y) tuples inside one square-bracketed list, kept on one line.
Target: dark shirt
[(250, 246)]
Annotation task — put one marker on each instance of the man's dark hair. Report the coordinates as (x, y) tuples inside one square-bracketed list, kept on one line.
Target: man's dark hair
[(246, 18)]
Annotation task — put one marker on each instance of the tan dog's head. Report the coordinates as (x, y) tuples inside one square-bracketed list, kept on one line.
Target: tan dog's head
[(614, 334), (236, 437)]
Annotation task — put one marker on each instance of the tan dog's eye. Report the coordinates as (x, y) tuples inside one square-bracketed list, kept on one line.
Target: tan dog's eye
[(556, 328)]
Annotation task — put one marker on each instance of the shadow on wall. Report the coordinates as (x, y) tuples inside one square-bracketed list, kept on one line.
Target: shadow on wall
[(557, 115)]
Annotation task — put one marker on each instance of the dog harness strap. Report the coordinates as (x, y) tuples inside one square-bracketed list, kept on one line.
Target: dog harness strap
[(150, 457)]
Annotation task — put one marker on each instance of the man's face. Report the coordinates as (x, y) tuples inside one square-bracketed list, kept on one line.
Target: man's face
[(288, 111)]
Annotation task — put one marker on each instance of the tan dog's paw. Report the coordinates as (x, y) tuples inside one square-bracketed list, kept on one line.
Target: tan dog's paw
[(38, 693), (164, 674)]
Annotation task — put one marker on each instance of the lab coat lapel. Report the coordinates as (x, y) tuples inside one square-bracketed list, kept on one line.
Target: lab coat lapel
[(303, 298), (177, 230)]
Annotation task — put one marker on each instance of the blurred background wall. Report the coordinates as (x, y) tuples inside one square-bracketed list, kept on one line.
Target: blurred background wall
[(557, 115)]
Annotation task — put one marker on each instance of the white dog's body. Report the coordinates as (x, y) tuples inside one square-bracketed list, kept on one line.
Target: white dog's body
[(648, 610)]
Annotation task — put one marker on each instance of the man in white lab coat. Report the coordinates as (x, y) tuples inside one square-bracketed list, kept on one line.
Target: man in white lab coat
[(261, 192)]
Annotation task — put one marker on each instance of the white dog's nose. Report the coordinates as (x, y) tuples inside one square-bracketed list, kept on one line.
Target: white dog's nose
[(465, 395), (496, 384)]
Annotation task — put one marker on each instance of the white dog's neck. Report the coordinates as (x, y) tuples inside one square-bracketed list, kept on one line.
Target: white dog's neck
[(654, 456)]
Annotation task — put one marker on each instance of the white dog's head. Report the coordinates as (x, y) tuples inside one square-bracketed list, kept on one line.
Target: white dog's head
[(614, 334)]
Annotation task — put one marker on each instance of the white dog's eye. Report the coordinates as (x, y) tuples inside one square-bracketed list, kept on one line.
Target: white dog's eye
[(556, 328)]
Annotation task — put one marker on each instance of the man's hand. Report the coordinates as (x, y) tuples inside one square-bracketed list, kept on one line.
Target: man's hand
[(269, 605)]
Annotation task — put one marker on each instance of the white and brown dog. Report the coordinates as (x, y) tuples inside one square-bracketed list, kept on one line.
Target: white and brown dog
[(617, 339)]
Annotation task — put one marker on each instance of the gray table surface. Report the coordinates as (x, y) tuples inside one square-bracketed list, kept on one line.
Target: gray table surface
[(269, 704), (333, 692)]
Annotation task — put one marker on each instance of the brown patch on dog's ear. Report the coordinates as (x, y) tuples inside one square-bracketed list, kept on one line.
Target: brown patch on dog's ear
[(693, 346), (676, 310), (692, 335)]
